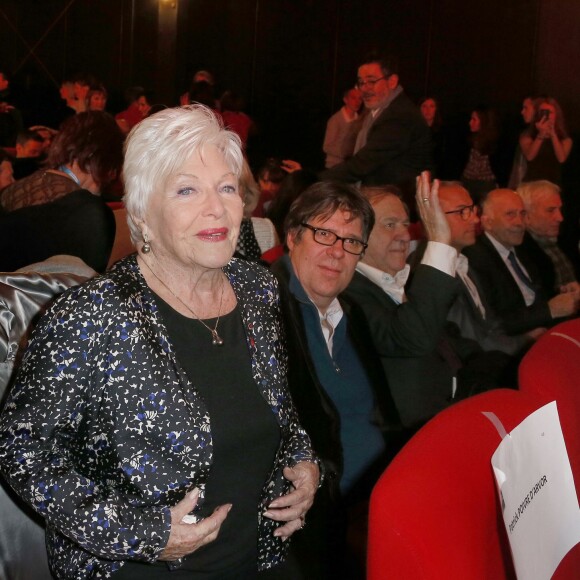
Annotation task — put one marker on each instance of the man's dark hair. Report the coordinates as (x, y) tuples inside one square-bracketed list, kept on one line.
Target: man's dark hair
[(26, 135), (388, 63), (323, 199), (94, 141)]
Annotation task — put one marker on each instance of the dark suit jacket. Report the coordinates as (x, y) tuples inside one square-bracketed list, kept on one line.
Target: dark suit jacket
[(501, 290), (408, 338), (398, 148), (544, 264)]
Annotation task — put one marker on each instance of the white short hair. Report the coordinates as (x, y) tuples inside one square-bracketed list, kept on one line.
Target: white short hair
[(530, 190), (160, 145)]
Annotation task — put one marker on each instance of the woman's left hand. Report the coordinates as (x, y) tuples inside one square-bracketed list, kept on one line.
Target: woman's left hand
[(292, 508)]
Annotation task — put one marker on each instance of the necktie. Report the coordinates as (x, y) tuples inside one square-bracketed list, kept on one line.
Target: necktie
[(518, 270)]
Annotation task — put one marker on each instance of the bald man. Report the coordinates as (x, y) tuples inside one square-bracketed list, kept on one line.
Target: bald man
[(471, 315), (508, 274)]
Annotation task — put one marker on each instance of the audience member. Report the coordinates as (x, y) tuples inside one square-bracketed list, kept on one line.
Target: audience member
[(479, 176), (257, 235), (29, 149), (58, 210), (6, 170), (48, 134), (393, 145), (82, 84), (234, 118), (520, 164), (269, 177), (202, 92), (335, 377), (407, 324), (508, 275), (136, 111), (202, 76), (28, 144), (96, 99), (471, 318), (69, 106), (559, 272), (431, 112), (546, 144), (342, 129)]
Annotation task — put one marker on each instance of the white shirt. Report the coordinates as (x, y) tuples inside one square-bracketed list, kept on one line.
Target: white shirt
[(329, 321), (437, 255), (462, 269)]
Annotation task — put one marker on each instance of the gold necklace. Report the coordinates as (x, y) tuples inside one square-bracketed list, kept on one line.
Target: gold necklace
[(217, 340)]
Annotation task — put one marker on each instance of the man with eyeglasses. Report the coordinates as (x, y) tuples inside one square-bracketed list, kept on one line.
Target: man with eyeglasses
[(508, 274), (334, 373), (394, 144), (472, 319)]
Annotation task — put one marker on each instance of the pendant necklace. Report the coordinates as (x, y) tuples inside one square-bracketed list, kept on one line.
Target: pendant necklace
[(217, 340)]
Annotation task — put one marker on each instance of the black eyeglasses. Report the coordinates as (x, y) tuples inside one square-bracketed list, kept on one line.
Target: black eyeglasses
[(464, 212), (371, 82), (328, 238)]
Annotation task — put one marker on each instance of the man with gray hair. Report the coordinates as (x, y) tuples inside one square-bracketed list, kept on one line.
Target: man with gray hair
[(508, 275), (543, 205)]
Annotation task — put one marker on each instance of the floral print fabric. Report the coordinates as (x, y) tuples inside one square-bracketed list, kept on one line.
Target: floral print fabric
[(103, 432)]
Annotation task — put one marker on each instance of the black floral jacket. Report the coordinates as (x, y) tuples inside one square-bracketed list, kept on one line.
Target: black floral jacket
[(103, 431)]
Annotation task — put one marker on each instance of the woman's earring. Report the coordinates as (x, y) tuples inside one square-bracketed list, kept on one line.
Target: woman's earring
[(146, 247)]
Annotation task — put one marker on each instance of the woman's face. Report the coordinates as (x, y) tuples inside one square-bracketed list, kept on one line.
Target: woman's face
[(428, 110), (528, 111), (143, 106), (98, 102), (194, 221), (267, 185), (474, 123)]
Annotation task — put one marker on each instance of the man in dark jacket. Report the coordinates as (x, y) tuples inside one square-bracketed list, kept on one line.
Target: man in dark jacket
[(335, 376), (509, 275), (394, 144)]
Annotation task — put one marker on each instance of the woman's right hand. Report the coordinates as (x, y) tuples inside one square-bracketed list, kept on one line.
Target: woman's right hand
[(186, 538)]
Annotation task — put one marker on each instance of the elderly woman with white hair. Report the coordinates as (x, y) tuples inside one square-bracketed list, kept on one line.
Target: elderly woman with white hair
[(150, 423)]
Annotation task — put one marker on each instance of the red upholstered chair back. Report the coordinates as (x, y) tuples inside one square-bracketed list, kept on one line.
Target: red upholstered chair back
[(434, 514), (550, 371)]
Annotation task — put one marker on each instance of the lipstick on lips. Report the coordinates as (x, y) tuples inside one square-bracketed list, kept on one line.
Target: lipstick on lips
[(213, 234)]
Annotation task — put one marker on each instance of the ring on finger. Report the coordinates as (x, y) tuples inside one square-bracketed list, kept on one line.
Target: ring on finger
[(425, 200)]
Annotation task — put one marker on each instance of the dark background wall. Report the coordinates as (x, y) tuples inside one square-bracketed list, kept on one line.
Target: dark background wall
[(293, 58)]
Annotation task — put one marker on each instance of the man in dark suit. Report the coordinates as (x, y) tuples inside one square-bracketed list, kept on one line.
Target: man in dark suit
[(407, 324), (488, 355), (508, 275), (471, 312), (394, 144)]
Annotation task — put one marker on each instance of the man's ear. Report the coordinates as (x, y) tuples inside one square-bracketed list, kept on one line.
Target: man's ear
[(291, 239), (393, 81), (485, 220)]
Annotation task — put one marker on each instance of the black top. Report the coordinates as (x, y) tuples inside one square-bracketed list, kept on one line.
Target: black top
[(245, 440), (78, 224)]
